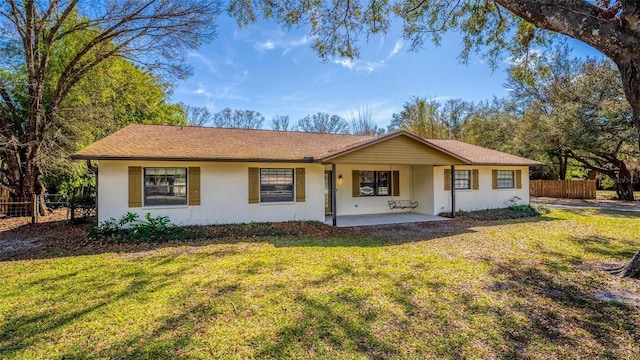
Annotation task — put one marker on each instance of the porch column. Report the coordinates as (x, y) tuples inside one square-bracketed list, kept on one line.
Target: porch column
[(453, 191), (334, 211)]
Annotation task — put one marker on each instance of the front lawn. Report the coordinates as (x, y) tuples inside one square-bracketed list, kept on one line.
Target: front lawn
[(523, 288)]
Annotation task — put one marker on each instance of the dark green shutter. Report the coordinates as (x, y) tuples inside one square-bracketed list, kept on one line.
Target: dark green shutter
[(518, 179)]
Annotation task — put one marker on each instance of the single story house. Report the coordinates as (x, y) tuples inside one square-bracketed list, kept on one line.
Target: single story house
[(199, 175)]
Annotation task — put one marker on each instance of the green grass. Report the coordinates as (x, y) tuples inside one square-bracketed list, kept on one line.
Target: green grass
[(502, 289), (611, 194)]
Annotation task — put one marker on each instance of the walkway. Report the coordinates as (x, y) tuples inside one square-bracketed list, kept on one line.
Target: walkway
[(382, 219)]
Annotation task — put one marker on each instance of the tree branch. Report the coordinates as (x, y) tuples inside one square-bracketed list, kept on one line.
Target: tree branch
[(577, 19)]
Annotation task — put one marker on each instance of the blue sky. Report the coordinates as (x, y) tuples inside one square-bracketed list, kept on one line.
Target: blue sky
[(276, 72)]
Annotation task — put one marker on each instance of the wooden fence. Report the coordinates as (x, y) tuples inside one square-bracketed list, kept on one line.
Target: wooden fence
[(572, 189)]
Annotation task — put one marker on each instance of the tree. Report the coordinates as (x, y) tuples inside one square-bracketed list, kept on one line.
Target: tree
[(576, 110), (281, 123), (197, 116), (421, 117), (323, 123), (455, 114), (492, 124), (116, 93), (50, 46), (241, 119), (362, 123), (610, 26)]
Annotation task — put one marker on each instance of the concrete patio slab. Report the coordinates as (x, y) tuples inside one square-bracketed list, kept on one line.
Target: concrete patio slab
[(382, 219)]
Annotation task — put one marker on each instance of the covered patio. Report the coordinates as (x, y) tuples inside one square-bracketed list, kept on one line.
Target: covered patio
[(382, 219)]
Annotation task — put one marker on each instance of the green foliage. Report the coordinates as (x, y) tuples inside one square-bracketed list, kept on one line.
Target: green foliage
[(607, 183), (518, 207), (130, 228), (573, 113), (68, 78), (115, 94), (420, 116)]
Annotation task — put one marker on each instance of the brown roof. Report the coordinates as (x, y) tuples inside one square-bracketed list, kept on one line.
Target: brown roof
[(168, 142), (478, 155)]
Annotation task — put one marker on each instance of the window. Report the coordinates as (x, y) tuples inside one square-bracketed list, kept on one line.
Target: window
[(375, 183), (506, 179), (276, 185), (165, 186), (463, 179)]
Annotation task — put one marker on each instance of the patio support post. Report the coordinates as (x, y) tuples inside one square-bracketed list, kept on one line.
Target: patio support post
[(334, 211), (453, 191)]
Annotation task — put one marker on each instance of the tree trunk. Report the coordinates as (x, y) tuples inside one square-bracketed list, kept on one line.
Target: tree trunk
[(624, 183), (564, 161), (24, 174), (629, 66), (630, 269)]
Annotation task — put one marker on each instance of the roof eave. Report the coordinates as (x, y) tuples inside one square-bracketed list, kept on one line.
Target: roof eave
[(508, 164), (359, 146), (183, 159)]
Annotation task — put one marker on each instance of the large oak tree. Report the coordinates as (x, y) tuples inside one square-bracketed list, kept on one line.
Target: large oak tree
[(48, 47)]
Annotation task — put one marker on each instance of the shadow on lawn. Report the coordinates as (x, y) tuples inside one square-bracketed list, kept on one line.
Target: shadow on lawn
[(99, 287), (332, 313), (544, 299), (58, 239)]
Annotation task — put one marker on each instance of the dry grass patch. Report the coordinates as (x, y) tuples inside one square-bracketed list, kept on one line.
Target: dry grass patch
[(520, 288)]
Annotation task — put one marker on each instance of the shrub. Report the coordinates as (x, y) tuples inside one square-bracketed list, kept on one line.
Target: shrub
[(130, 228)]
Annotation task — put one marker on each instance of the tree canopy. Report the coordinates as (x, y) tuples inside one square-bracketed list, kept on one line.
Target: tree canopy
[(49, 47), (323, 123)]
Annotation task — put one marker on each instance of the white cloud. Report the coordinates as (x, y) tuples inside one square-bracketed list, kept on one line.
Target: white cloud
[(360, 65), (348, 63), (396, 48), (219, 92), (204, 60), (282, 43), (266, 45), (302, 41)]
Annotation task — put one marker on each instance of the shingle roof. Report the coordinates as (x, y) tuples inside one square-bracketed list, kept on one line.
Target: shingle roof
[(165, 142), (478, 155)]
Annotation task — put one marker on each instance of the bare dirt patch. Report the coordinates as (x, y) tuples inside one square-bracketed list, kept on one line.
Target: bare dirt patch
[(18, 236)]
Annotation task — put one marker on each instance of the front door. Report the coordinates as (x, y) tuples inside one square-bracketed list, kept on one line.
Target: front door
[(327, 191)]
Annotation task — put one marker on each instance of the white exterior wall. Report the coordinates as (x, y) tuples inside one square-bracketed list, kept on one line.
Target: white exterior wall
[(224, 194), (485, 197), (423, 189), (349, 205)]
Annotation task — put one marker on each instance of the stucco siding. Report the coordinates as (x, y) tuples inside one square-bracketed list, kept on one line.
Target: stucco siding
[(485, 197), (423, 189), (224, 194), (349, 205)]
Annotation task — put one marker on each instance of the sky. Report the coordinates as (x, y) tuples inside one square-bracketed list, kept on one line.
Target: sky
[(276, 72)]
